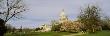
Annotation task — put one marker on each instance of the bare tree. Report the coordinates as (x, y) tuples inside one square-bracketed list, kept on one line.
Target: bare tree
[(10, 9)]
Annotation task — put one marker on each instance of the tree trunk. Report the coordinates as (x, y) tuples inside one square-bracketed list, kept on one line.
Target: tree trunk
[(2, 27)]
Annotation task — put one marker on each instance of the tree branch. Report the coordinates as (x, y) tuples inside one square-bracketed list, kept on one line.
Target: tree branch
[(7, 11)]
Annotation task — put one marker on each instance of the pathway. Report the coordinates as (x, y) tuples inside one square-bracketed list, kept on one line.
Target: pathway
[(75, 34)]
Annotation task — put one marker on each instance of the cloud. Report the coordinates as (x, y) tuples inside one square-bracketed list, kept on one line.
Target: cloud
[(42, 11)]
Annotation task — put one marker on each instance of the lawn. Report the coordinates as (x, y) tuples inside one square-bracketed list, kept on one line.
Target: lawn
[(38, 34), (100, 33)]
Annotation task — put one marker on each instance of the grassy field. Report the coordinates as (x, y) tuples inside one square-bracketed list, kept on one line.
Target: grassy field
[(38, 34), (100, 33)]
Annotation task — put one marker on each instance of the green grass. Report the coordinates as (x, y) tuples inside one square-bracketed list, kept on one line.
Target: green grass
[(100, 33), (38, 34)]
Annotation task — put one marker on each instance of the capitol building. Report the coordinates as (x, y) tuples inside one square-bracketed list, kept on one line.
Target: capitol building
[(63, 18)]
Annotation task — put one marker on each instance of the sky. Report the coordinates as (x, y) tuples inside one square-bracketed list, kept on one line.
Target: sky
[(43, 11)]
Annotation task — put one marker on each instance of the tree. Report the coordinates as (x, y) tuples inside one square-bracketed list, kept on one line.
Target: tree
[(37, 29), (10, 9), (106, 23), (20, 29), (90, 17), (55, 25), (10, 28), (2, 27), (71, 26)]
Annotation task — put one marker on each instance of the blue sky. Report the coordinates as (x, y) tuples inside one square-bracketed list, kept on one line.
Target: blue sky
[(43, 11)]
